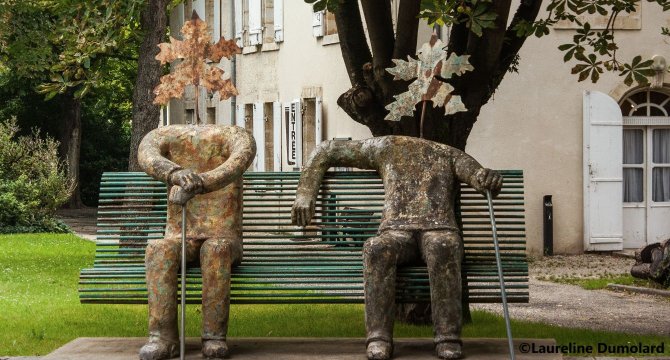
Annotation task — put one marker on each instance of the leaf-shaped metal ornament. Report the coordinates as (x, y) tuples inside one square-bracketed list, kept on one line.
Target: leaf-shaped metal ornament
[(430, 69), (195, 50)]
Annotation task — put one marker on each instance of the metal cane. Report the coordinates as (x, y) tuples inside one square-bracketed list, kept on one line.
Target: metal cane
[(176, 196), (182, 332), (503, 293)]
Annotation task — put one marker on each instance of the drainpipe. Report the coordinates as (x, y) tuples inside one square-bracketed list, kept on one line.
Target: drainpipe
[(233, 68)]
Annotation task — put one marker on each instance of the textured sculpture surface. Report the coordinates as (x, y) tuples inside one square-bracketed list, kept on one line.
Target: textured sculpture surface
[(207, 161), (418, 222)]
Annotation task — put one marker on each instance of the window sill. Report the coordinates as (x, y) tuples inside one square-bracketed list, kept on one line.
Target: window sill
[(249, 49), (330, 39), (270, 46)]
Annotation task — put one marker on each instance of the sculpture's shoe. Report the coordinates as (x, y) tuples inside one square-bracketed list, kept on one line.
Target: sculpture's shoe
[(158, 350), (449, 350), (379, 350), (214, 349)]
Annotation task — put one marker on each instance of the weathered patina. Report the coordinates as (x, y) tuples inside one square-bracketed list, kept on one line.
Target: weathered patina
[(207, 161), (418, 222)]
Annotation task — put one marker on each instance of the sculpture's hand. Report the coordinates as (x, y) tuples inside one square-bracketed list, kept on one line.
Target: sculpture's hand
[(487, 179), (302, 211), (188, 180), (186, 184)]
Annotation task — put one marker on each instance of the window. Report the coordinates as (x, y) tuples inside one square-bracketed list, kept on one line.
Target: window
[(258, 22), (324, 26), (624, 21), (646, 146)]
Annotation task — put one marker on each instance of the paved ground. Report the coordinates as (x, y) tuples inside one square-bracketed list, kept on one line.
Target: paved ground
[(294, 349)]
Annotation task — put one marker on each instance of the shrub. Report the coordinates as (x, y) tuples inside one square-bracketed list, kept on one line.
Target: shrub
[(33, 183)]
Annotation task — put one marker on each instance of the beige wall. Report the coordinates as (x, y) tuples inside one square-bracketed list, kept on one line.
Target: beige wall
[(534, 122)]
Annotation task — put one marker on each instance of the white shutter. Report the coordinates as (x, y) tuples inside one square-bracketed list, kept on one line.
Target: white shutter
[(279, 20), (318, 20), (216, 27), (318, 123), (603, 178), (238, 22), (239, 115), (199, 7), (276, 136), (259, 135), (296, 112), (255, 23)]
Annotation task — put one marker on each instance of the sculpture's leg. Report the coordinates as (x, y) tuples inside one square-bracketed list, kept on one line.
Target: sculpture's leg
[(381, 255), (162, 262), (443, 251), (216, 259)]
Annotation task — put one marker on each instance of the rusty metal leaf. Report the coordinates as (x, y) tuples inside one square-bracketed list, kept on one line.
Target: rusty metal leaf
[(430, 69), (194, 50)]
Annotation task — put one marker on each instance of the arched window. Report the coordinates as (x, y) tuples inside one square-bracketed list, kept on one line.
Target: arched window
[(646, 102)]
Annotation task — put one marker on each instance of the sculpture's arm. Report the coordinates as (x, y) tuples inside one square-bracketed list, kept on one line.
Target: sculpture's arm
[(151, 156), (242, 151), (469, 171), (329, 153)]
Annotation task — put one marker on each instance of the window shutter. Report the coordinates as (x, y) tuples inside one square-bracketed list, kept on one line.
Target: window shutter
[(279, 20), (317, 23), (259, 135), (239, 115), (318, 126), (255, 23), (296, 112), (276, 129), (603, 178), (199, 7), (238, 22)]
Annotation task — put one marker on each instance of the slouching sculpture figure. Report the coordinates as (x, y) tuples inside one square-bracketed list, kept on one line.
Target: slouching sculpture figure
[(208, 160), (418, 221)]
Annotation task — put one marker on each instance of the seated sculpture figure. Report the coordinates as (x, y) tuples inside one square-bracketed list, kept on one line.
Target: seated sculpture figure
[(208, 160), (418, 222)]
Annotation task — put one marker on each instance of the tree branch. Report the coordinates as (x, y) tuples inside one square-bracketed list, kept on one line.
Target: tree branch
[(380, 30), (354, 45), (527, 11), (407, 29), (458, 39)]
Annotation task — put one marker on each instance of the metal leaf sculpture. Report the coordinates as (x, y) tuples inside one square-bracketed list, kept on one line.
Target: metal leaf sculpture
[(431, 69), (195, 49)]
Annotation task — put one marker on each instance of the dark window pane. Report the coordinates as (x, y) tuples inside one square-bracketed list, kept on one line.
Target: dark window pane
[(633, 185), (661, 146), (640, 111), (654, 111), (633, 146), (660, 184)]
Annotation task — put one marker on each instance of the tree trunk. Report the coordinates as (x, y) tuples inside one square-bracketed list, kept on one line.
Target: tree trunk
[(146, 115), (70, 144)]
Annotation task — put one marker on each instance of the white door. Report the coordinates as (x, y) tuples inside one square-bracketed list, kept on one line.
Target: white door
[(603, 215)]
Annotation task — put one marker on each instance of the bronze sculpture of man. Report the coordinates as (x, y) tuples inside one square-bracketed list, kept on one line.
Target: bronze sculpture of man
[(207, 160), (418, 221)]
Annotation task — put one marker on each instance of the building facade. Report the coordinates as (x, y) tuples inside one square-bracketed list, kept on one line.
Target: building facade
[(602, 151)]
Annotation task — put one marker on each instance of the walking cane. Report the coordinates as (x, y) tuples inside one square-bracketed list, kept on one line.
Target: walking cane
[(176, 194), (503, 293), (182, 332)]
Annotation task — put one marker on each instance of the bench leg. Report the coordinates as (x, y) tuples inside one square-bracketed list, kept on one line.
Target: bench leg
[(443, 251), (381, 256)]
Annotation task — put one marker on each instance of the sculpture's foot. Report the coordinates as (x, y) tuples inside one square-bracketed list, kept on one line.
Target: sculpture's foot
[(379, 350), (158, 350), (449, 350), (214, 349)]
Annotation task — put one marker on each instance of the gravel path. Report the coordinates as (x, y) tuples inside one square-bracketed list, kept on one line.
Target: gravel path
[(572, 306)]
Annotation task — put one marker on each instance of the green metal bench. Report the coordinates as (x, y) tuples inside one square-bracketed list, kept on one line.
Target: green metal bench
[(286, 264)]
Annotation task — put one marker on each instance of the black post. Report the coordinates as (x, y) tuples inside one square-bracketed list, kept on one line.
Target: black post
[(548, 229)]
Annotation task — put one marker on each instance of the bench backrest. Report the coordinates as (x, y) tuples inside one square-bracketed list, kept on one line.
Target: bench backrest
[(132, 210)]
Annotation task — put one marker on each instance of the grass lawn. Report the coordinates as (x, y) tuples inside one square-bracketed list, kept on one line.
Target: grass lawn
[(40, 310)]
